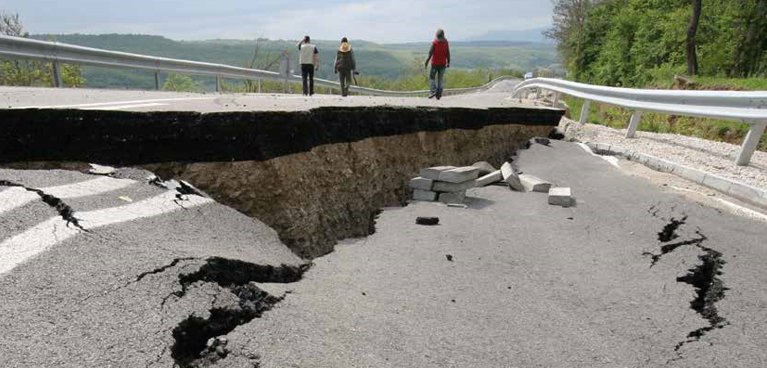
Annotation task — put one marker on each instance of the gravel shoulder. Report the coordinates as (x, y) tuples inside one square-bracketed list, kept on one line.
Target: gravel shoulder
[(713, 157)]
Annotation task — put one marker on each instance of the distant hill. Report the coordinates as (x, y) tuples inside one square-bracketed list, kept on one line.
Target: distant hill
[(382, 60), (530, 35)]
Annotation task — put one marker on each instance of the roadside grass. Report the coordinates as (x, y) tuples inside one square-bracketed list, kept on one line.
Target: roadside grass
[(715, 130)]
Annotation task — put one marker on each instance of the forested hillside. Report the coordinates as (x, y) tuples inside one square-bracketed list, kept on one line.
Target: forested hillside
[(636, 42), (719, 44), (379, 61)]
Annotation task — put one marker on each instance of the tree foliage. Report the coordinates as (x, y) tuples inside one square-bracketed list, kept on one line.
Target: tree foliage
[(631, 42), (19, 72), (180, 83)]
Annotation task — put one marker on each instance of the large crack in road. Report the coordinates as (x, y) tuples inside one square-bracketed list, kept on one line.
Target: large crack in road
[(704, 278), (199, 342), (64, 210)]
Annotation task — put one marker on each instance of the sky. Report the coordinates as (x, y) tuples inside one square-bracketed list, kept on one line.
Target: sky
[(384, 21)]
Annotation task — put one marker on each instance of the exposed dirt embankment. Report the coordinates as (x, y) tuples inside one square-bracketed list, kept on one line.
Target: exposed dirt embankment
[(315, 177)]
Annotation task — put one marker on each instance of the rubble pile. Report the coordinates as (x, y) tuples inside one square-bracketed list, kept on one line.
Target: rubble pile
[(448, 184)]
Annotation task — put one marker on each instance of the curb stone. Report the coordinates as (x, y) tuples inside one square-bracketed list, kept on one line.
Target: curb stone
[(744, 192)]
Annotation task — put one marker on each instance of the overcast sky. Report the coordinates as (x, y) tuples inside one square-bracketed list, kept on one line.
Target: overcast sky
[(373, 20)]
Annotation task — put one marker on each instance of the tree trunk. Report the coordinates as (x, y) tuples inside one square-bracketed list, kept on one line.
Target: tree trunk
[(692, 31)]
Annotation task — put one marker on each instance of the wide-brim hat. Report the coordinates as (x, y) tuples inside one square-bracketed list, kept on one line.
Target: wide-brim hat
[(345, 47)]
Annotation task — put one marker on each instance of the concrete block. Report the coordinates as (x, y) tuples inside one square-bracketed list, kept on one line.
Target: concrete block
[(453, 198), (534, 184), (484, 168), (507, 171), (425, 195), (717, 183), (690, 174), (602, 148), (459, 175), (433, 172), (617, 150), (491, 178), (421, 183), (101, 170), (560, 197), (746, 193), (441, 186)]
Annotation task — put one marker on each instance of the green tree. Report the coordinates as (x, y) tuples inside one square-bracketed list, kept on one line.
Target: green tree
[(19, 72), (631, 42), (180, 83)]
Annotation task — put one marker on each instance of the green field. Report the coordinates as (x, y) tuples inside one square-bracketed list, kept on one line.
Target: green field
[(384, 61)]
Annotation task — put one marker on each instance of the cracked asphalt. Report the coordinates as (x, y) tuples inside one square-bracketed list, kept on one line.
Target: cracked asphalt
[(529, 284)]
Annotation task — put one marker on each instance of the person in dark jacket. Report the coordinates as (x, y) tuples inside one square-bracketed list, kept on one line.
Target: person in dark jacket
[(439, 54), (345, 65)]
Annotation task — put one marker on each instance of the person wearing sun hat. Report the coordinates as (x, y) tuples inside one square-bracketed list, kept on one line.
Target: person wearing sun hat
[(345, 65)]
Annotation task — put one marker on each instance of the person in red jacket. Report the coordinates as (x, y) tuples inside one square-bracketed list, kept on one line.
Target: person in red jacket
[(439, 54)]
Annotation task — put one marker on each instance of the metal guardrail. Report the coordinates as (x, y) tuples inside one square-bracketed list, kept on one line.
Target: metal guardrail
[(745, 107), (57, 53)]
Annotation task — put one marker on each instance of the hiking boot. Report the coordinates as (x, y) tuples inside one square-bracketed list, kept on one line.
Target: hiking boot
[(432, 95)]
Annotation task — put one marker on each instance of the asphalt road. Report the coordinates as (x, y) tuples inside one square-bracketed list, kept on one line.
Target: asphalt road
[(90, 99), (529, 284)]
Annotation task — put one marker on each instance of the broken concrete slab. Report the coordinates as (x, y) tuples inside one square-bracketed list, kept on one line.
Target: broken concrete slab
[(441, 186), (453, 198), (534, 184), (459, 175), (425, 195), (511, 177), (97, 169), (427, 221), (433, 172), (488, 179), (484, 168), (560, 197), (421, 183)]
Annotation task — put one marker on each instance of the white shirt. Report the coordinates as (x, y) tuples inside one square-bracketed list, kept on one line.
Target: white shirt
[(306, 54)]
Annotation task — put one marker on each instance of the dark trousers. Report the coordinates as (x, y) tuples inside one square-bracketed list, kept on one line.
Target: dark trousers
[(345, 76), (307, 72)]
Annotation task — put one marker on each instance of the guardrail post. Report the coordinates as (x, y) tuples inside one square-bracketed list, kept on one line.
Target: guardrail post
[(556, 100), (157, 80), (259, 85), (57, 75), (218, 84), (585, 112), (634, 124), (750, 144), (538, 93)]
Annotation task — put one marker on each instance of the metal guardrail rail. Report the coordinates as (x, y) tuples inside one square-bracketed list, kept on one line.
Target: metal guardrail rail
[(57, 53), (745, 107)]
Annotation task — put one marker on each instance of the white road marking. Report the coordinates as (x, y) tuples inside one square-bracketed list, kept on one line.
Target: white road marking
[(611, 159), (16, 197), (36, 240), (115, 103), (123, 107)]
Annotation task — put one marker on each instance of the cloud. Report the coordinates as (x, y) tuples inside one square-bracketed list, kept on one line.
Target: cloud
[(375, 20)]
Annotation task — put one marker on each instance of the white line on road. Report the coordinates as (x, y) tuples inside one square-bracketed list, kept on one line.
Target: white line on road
[(115, 103), (36, 240), (123, 107), (16, 197)]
